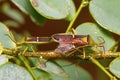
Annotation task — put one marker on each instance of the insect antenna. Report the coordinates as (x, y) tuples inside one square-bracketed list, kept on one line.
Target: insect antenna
[(73, 52), (102, 42), (73, 31)]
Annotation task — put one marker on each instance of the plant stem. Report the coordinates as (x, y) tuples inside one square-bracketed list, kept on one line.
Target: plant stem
[(76, 15), (22, 58), (52, 54), (101, 67)]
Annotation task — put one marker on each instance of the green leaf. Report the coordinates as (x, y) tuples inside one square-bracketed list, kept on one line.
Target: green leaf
[(107, 14), (41, 75), (4, 38), (94, 31), (53, 9), (48, 66), (54, 77), (54, 68), (26, 7), (72, 10), (11, 71), (3, 59), (114, 67), (75, 72)]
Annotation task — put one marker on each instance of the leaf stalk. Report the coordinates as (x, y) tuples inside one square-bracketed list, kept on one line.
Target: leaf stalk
[(75, 16), (101, 67)]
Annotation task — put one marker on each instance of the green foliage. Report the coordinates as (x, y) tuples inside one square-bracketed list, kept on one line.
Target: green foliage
[(75, 72), (26, 7), (114, 67), (3, 59), (106, 14), (4, 37), (49, 67), (56, 11), (72, 10), (10, 71), (95, 31)]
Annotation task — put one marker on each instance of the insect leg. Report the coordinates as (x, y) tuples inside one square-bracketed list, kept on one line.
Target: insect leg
[(22, 53), (101, 38), (42, 62), (104, 54), (33, 50), (73, 31), (78, 49), (101, 44), (84, 53)]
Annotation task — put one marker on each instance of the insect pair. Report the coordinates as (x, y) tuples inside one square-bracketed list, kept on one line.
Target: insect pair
[(68, 43)]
